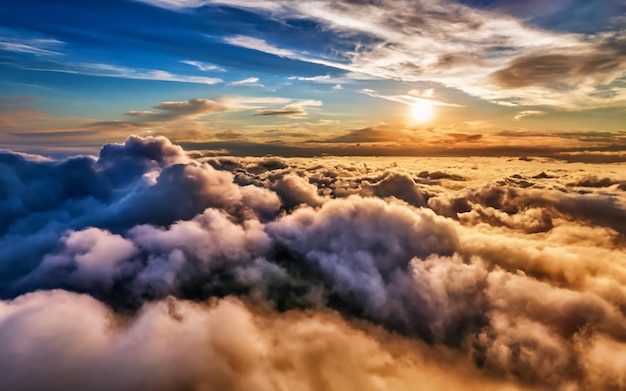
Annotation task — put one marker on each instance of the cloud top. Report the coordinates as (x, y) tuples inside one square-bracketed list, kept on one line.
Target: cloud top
[(266, 272)]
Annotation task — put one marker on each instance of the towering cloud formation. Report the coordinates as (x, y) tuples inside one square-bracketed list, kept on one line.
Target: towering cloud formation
[(145, 268)]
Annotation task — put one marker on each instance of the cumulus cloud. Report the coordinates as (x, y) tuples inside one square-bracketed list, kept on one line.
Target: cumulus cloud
[(295, 190), (593, 181), (399, 186), (325, 273), (213, 346)]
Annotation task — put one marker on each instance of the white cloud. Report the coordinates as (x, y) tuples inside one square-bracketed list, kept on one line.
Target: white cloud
[(26, 42), (527, 113), (458, 46), (409, 99), (428, 93), (319, 78), (175, 4), (250, 81), (203, 66), (259, 45), (142, 74), (254, 101), (36, 47), (108, 70)]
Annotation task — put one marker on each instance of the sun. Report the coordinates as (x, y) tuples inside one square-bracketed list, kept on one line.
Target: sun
[(421, 111)]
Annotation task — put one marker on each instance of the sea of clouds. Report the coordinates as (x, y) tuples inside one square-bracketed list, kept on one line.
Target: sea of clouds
[(153, 268)]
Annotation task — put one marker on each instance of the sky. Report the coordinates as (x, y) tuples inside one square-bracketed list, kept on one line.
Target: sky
[(423, 77)]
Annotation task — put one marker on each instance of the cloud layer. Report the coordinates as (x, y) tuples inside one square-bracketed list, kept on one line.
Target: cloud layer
[(147, 268)]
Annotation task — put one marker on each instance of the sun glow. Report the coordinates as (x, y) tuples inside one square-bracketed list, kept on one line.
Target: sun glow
[(421, 111)]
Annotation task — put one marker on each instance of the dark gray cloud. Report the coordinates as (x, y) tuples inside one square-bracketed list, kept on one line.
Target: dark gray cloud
[(168, 111), (593, 181), (254, 273), (143, 181), (294, 190), (558, 71), (399, 186), (440, 175), (296, 109), (579, 16), (386, 140), (289, 110), (512, 202), (229, 135), (365, 135)]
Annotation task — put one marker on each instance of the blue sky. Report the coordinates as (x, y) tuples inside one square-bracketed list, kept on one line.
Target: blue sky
[(75, 74)]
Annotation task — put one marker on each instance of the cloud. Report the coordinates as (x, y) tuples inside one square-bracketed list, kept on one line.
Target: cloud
[(436, 175), (558, 70), (203, 66), (465, 139), (294, 191), (291, 110), (410, 99), (337, 81), (377, 134), (593, 208), (26, 42), (108, 70), (399, 186), (30, 47), (190, 107), (428, 93), (233, 345), (142, 74), (53, 55), (171, 110), (251, 81), (509, 60), (593, 181), (319, 78), (121, 189), (259, 45), (230, 134), (527, 113), (199, 107), (265, 272)]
